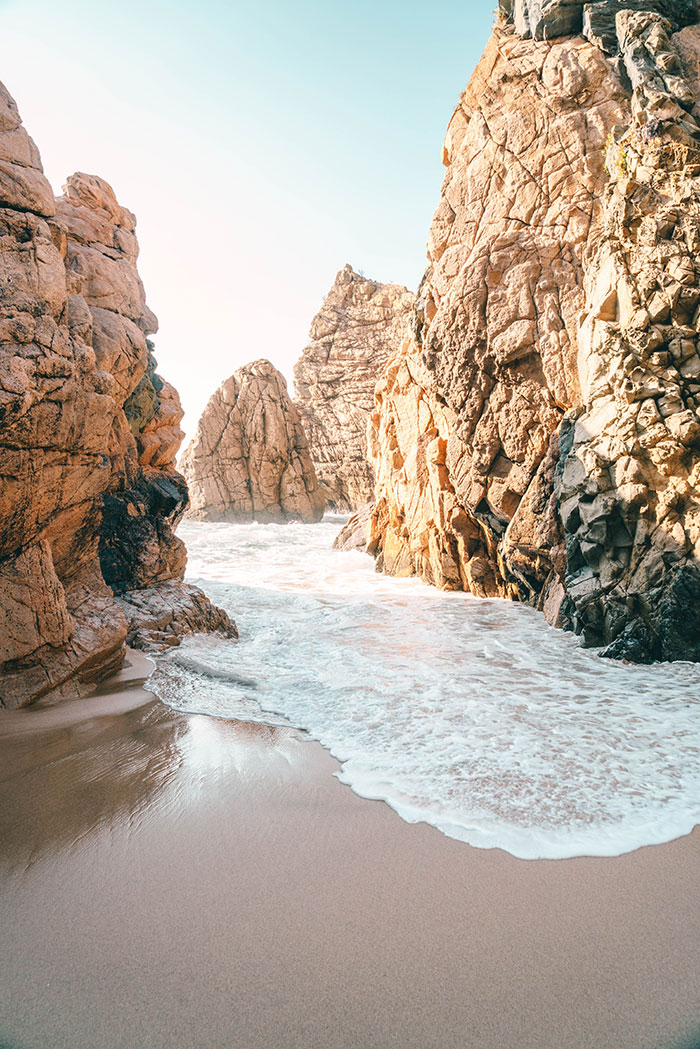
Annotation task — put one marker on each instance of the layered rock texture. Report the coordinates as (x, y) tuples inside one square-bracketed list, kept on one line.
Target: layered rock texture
[(545, 19), (250, 459), (629, 487), (88, 433), (539, 436), (465, 412), (353, 336)]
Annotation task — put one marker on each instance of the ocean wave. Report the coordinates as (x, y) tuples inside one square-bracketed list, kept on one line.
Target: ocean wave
[(471, 715)]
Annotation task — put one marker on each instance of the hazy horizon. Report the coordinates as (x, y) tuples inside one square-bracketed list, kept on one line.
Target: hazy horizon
[(260, 149)]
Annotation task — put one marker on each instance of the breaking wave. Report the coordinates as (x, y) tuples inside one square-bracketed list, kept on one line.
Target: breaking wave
[(471, 715)]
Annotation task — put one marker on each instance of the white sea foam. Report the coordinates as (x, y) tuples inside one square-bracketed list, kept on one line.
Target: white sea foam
[(471, 715)]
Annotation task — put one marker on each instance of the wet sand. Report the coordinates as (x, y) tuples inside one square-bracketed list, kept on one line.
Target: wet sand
[(177, 882)]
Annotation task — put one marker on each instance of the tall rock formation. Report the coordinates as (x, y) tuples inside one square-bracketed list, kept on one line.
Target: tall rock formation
[(73, 354), (629, 486), (357, 330), (249, 459), (538, 438), (465, 412)]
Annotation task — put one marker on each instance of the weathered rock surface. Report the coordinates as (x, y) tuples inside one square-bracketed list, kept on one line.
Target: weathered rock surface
[(599, 18), (358, 329), (629, 487), (539, 437), (249, 459), (547, 19), (465, 413), (159, 616), (73, 349)]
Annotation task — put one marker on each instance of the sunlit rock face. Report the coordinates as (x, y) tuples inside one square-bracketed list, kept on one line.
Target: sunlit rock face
[(250, 460), (464, 415), (538, 436), (360, 326), (73, 351), (141, 558)]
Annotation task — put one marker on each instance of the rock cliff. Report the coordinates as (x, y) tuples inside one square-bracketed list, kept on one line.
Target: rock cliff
[(353, 336), (538, 436), (249, 459), (88, 490), (629, 486)]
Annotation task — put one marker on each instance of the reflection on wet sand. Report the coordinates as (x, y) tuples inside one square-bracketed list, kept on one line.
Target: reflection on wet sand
[(67, 771), (60, 784), (171, 880)]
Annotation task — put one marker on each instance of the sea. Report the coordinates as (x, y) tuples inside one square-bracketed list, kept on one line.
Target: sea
[(471, 715)]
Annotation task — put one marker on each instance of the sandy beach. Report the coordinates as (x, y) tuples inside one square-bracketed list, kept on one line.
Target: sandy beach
[(176, 881)]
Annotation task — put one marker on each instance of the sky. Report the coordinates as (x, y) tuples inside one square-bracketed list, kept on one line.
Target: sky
[(262, 144)]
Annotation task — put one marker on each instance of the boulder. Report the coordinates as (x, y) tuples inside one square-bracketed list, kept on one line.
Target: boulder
[(249, 459)]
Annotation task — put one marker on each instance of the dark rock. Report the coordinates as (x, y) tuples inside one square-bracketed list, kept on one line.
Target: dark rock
[(137, 540), (599, 17), (663, 628), (547, 19), (142, 406)]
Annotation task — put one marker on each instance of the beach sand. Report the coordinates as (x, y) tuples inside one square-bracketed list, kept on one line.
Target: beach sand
[(176, 882)]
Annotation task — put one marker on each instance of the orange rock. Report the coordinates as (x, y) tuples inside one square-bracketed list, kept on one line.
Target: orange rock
[(249, 459), (358, 329), (73, 352), (540, 438), (464, 415)]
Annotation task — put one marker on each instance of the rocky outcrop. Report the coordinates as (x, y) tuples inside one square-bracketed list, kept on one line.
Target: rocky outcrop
[(357, 330), (546, 19), (629, 486), (73, 351), (538, 438), (141, 558), (249, 459), (465, 413)]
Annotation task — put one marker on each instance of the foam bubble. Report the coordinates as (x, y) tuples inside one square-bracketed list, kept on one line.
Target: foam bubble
[(468, 714)]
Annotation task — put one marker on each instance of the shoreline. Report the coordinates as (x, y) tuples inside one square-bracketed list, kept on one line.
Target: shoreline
[(211, 883)]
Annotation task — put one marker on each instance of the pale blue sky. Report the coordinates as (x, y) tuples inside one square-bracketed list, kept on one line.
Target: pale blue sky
[(261, 145)]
